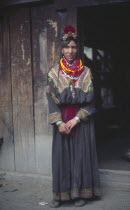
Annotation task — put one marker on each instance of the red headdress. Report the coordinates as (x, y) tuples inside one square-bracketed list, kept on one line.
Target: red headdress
[(69, 32)]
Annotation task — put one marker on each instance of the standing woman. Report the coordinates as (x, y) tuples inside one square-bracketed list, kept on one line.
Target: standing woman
[(70, 95)]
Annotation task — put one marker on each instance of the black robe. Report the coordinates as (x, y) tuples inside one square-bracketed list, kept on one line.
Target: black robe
[(74, 159)]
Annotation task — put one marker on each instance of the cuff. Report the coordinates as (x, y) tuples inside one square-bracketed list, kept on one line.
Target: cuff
[(55, 117), (82, 114)]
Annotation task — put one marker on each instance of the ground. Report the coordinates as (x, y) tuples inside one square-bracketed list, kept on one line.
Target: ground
[(26, 191)]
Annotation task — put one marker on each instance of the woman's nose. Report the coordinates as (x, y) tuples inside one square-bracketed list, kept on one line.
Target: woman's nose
[(70, 49)]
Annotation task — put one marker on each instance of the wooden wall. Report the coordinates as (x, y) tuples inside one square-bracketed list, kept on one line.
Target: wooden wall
[(6, 116), (29, 46)]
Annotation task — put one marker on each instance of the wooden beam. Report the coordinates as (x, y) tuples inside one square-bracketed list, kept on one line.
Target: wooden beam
[(82, 3), (60, 4), (5, 3)]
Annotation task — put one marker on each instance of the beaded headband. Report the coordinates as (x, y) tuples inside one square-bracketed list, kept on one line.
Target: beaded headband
[(69, 32)]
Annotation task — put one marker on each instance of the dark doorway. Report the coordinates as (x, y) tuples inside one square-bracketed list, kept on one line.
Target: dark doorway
[(105, 35)]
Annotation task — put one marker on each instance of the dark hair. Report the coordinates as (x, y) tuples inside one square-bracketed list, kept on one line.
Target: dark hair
[(68, 40)]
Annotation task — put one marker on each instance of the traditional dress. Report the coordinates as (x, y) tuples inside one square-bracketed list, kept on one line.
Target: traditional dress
[(74, 159)]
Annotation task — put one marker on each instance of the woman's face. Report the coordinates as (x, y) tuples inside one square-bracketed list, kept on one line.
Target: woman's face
[(70, 51)]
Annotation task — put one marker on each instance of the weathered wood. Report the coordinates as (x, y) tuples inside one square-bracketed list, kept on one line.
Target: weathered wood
[(40, 68), (72, 17), (22, 91), (82, 3), (6, 126), (46, 53), (5, 3)]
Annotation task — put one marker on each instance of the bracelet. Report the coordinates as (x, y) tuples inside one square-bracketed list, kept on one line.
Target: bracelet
[(77, 119), (58, 122)]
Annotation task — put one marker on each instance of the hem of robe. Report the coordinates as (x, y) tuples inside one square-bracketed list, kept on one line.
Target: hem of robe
[(77, 193)]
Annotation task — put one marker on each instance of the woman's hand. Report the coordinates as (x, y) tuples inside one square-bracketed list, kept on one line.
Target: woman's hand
[(71, 123), (63, 128)]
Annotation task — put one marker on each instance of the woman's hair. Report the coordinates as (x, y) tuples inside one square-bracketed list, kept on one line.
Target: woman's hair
[(68, 40)]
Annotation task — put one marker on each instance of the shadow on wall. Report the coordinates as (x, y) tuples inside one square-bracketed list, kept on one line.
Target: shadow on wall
[(1, 140)]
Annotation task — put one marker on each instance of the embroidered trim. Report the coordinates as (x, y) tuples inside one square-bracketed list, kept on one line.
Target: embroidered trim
[(62, 81), (82, 114), (48, 90), (59, 81), (54, 117), (75, 193), (84, 82)]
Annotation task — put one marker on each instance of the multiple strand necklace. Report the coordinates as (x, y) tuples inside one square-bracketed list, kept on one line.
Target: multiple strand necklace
[(70, 77), (75, 66), (72, 71)]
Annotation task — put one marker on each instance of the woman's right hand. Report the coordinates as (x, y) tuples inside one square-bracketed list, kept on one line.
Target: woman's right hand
[(63, 128)]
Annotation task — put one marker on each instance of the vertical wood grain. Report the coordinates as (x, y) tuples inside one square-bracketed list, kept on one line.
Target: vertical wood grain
[(6, 126), (22, 94), (46, 52)]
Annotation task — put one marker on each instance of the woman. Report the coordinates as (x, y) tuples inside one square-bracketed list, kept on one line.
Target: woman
[(70, 96)]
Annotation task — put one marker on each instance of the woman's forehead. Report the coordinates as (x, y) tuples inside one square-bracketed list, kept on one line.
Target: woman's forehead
[(70, 44)]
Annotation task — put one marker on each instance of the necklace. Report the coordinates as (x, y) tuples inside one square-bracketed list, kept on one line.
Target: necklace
[(70, 77), (80, 66), (72, 91)]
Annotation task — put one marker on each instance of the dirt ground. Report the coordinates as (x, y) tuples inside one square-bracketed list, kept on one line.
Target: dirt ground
[(26, 191)]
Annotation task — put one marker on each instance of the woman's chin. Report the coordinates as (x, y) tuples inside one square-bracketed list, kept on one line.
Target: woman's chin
[(70, 60)]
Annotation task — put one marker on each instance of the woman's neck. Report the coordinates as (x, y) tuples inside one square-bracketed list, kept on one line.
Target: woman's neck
[(69, 62)]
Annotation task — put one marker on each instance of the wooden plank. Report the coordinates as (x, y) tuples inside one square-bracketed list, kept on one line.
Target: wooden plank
[(72, 17), (6, 126), (82, 3), (22, 91), (17, 2), (46, 53), (61, 3), (79, 3)]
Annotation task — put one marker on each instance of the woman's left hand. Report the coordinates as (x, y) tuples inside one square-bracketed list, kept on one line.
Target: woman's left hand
[(71, 123)]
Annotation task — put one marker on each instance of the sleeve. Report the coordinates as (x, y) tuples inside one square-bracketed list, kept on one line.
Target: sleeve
[(88, 108), (53, 102)]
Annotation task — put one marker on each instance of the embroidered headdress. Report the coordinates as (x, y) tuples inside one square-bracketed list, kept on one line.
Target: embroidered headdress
[(69, 32)]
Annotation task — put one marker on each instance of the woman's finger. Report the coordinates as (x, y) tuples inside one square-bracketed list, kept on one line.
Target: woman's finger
[(69, 125), (67, 129)]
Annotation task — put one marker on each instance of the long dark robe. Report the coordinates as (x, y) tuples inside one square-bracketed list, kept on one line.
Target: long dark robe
[(74, 159)]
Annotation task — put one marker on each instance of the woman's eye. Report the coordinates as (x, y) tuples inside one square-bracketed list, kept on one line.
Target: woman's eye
[(73, 47)]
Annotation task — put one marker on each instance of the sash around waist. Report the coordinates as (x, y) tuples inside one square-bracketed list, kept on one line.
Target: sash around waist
[(69, 111)]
